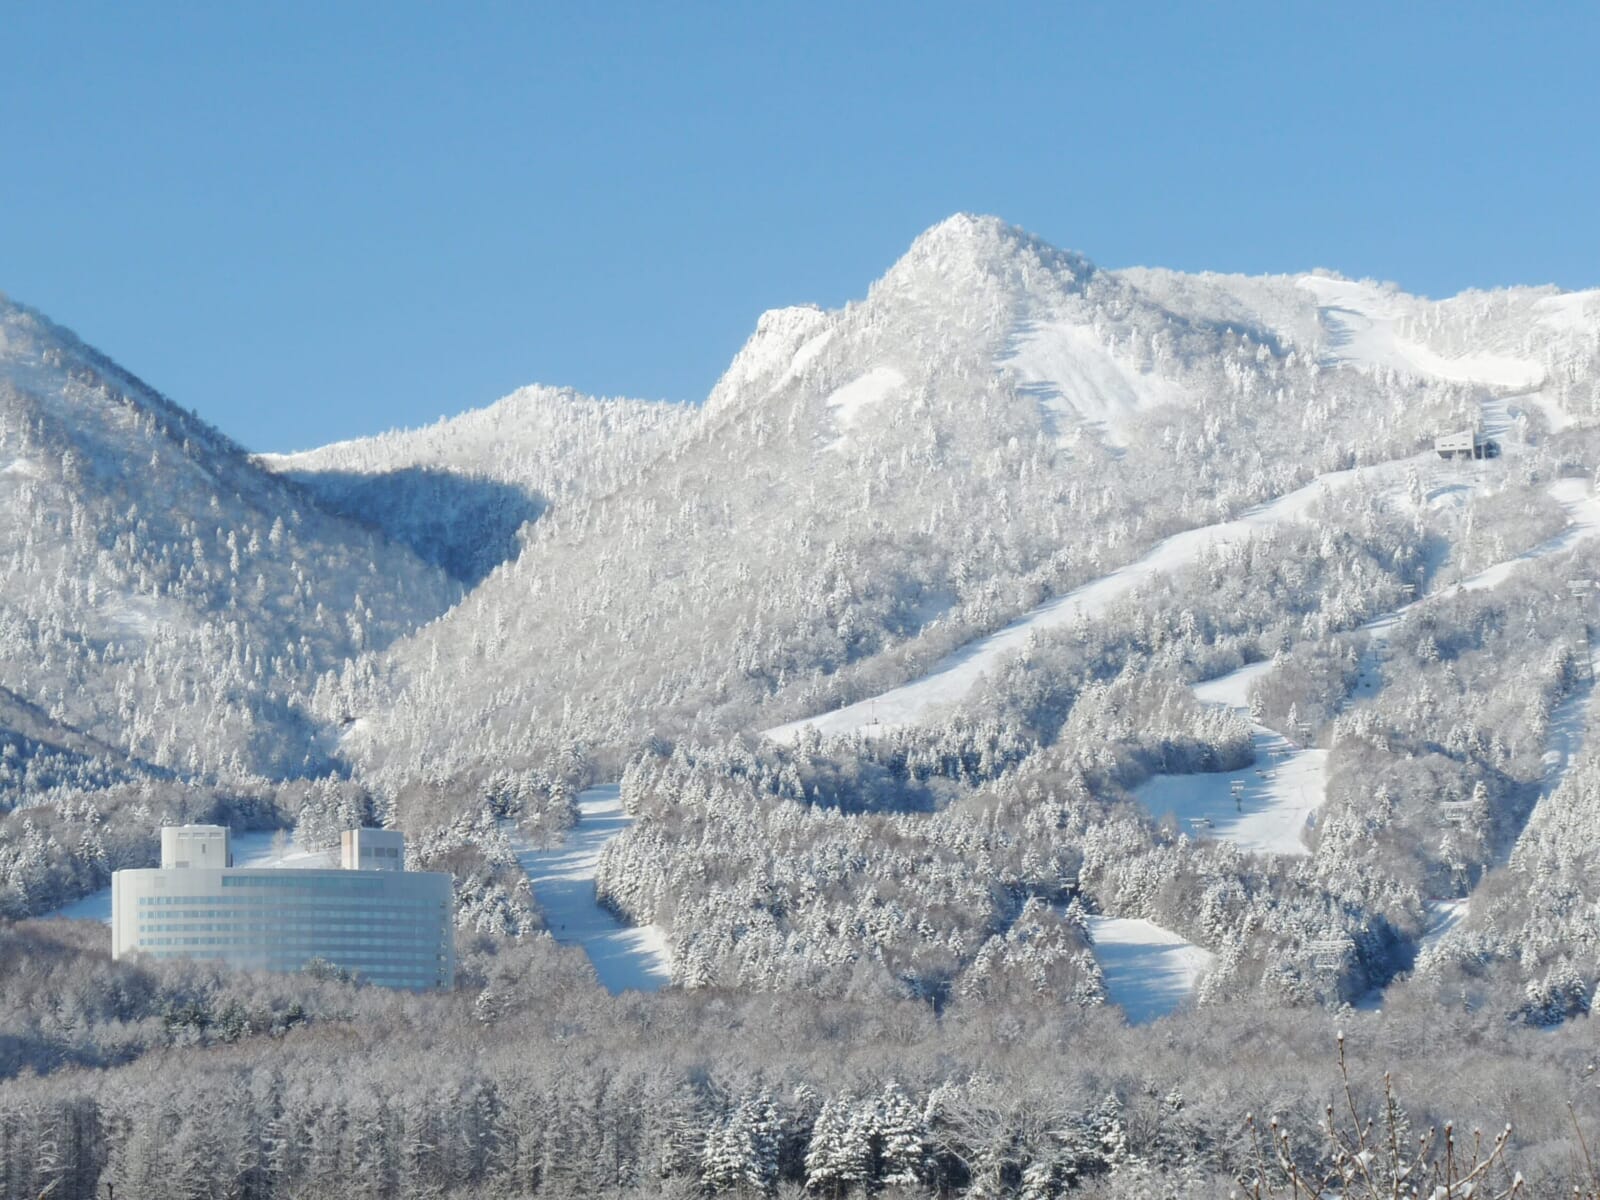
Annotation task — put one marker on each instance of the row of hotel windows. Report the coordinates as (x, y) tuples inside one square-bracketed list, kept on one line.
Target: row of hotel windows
[(305, 920), (345, 926), (360, 934), (365, 904), (380, 955), (336, 920), (338, 881)]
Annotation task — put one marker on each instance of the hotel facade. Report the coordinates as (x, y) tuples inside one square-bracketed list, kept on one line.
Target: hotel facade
[(371, 917)]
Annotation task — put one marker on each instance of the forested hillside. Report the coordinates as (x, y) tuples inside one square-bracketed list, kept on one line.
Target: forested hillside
[(459, 492)]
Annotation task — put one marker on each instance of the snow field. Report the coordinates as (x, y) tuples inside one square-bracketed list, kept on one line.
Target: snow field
[(1281, 793), (849, 402), (1148, 970), (1443, 916), (1360, 320), (625, 957), (1075, 377)]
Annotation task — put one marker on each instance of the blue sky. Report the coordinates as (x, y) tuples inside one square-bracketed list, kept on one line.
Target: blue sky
[(313, 222)]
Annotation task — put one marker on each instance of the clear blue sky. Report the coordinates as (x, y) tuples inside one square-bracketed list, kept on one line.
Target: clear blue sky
[(312, 222)]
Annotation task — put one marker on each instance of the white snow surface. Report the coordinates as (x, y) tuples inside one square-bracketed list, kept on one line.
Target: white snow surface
[(1232, 689), (1076, 378), (253, 849), (1360, 317), (1443, 916), (625, 957), (1569, 724), (1282, 791), (849, 402), (1148, 970), (954, 675)]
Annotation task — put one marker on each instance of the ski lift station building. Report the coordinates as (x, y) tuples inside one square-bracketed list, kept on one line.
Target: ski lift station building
[(1469, 443), (370, 916)]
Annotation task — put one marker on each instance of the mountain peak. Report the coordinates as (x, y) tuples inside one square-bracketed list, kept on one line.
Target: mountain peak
[(777, 349), (974, 244)]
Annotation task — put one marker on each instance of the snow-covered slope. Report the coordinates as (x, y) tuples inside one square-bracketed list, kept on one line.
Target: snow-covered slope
[(1149, 971), (459, 491), (869, 490), (625, 957), (1540, 342), (954, 676), (164, 594), (1363, 323)]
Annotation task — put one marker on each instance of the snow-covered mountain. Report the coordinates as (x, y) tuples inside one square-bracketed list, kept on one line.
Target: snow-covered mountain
[(866, 489), (163, 594), (1022, 564)]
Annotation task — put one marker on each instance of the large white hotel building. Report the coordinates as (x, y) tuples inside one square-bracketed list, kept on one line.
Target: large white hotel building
[(371, 916)]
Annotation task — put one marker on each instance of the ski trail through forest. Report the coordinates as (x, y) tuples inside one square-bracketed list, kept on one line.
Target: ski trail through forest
[(1564, 741), (1280, 794), (1276, 796), (625, 957), (954, 675), (1148, 970)]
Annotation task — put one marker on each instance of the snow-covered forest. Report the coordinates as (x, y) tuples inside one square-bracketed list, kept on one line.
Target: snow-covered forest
[(1015, 608)]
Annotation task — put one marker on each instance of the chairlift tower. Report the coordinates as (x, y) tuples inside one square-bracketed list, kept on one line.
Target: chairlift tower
[(1578, 588), (1328, 954)]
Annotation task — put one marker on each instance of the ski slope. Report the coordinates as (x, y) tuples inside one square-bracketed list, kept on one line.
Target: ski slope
[(1583, 516), (1149, 971), (1360, 319), (1564, 741), (954, 675), (1280, 792), (1279, 796), (1075, 377), (1286, 786), (625, 957), (1443, 916), (1569, 725)]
